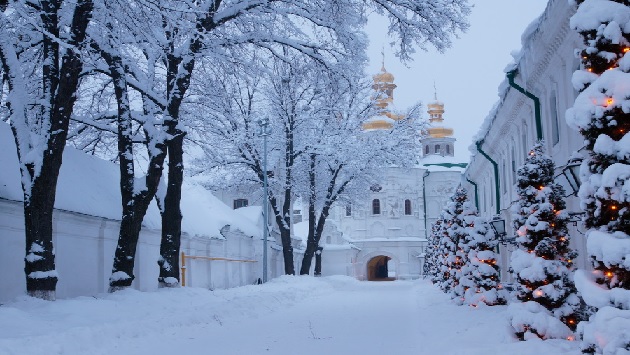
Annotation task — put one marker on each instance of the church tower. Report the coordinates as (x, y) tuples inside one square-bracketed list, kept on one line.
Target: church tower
[(438, 139), (384, 96)]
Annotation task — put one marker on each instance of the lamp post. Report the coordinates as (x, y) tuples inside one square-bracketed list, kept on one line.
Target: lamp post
[(264, 132), (571, 172), (498, 226)]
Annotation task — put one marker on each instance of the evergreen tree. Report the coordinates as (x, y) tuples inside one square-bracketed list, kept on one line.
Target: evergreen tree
[(481, 275), (601, 115), (453, 231), (432, 261), (542, 264)]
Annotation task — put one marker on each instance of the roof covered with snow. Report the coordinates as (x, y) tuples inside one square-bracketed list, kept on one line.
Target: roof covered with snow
[(504, 87), (90, 185)]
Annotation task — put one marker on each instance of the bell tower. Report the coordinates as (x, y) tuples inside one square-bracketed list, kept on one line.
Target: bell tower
[(438, 139)]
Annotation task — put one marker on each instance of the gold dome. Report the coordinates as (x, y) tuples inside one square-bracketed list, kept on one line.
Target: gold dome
[(436, 106), (384, 76), (385, 121), (376, 124), (440, 132)]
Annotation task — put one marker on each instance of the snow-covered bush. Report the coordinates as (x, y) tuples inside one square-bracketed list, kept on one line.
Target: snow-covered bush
[(542, 264), (601, 113)]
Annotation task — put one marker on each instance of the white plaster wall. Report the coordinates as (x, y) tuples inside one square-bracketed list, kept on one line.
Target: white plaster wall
[(547, 66), (85, 245), (397, 186)]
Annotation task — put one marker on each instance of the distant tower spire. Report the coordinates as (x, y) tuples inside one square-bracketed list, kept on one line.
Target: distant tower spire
[(383, 57), (434, 91)]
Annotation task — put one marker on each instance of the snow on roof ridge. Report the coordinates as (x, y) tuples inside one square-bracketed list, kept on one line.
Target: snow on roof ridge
[(89, 185), (527, 38)]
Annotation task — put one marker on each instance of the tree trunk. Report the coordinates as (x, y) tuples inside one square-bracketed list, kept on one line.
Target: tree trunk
[(41, 276), (59, 95), (172, 216), (312, 243), (134, 205), (283, 223), (179, 73), (318, 261), (315, 230)]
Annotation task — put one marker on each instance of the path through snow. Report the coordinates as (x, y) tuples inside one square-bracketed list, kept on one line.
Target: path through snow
[(290, 315)]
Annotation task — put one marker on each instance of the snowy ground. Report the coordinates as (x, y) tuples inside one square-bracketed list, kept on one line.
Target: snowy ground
[(289, 315)]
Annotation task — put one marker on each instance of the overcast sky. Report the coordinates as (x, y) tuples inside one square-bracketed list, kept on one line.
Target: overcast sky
[(467, 75)]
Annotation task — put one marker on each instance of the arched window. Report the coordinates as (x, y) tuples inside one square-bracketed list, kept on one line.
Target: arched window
[(437, 148), (328, 240), (426, 150), (408, 207), (348, 210), (240, 202), (376, 206), (448, 149), (555, 125)]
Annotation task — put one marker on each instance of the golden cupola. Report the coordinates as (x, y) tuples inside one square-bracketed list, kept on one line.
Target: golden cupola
[(436, 117), (384, 87), (384, 96)]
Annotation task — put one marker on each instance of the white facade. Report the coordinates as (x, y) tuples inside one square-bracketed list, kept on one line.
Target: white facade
[(544, 69), (389, 224)]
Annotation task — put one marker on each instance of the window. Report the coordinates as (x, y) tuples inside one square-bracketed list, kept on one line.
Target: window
[(504, 182), (437, 148), (328, 240), (513, 164), (348, 210), (376, 206), (485, 198), (513, 159), (407, 207), (426, 150), (555, 126), (240, 202), (525, 143), (448, 149)]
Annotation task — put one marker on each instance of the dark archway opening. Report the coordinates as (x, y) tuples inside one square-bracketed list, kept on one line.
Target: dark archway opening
[(377, 269)]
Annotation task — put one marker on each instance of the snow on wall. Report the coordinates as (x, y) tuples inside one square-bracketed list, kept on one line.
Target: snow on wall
[(90, 185), (86, 225), (85, 245)]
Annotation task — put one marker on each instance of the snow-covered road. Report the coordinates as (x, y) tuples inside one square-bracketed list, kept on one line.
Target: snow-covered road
[(290, 315)]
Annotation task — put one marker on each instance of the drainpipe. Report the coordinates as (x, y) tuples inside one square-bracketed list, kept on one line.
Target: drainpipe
[(476, 193), (510, 76), (424, 204), (496, 175)]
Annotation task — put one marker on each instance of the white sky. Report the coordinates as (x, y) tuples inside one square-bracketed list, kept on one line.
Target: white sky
[(467, 75)]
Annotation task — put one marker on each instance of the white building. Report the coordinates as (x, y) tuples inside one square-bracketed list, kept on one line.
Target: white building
[(220, 248), (383, 236), (543, 72)]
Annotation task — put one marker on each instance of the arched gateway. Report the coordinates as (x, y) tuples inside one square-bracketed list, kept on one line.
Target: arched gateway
[(377, 269)]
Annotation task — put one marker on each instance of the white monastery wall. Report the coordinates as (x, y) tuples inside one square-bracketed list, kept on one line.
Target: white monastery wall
[(545, 69), (85, 245)]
